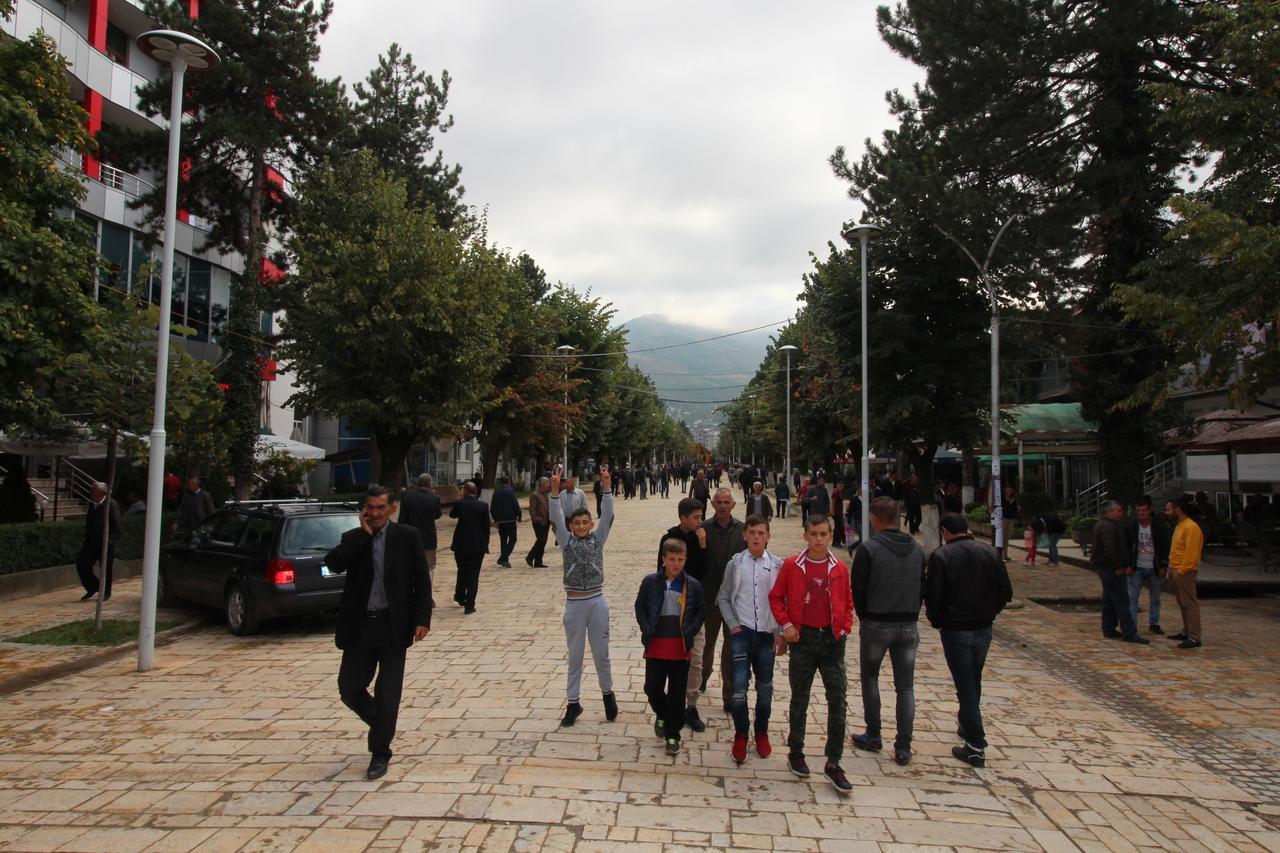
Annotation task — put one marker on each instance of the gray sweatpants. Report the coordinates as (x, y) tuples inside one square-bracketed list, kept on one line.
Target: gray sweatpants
[(587, 618)]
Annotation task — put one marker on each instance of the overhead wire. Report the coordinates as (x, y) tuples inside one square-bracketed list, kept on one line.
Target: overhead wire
[(557, 355)]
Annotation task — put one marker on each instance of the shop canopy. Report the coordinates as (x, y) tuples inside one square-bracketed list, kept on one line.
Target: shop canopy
[(1033, 422), (985, 459)]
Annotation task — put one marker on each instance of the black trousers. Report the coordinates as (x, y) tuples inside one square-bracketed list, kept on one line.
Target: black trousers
[(376, 651), (90, 553), (665, 683), (538, 551), (1115, 604), (468, 579), (506, 540)]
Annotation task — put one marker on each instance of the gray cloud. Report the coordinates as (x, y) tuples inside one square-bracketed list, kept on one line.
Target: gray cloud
[(670, 156)]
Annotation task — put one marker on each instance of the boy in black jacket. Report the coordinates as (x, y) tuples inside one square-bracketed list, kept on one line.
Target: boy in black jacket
[(670, 610), (966, 587)]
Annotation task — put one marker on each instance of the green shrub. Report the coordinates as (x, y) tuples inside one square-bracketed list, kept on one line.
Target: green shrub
[(980, 514), (39, 545)]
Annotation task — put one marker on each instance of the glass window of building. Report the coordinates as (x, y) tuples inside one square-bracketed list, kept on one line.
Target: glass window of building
[(178, 305), (117, 44), (143, 270), (114, 247), (198, 297)]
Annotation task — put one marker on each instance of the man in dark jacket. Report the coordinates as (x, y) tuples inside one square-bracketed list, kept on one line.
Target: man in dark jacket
[(540, 518), (195, 506), (818, 499), (506, 513), (724, 539), (420, 509), (966, 587), (887, 579), (385, 608), (1148, 538), (91, 550), (757, 503), (470, 544), (1110, 558), (912, 502)]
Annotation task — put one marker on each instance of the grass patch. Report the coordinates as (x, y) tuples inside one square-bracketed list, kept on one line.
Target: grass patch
[(82, 633)]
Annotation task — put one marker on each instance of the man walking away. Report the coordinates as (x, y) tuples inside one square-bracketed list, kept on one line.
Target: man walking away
[(782, 492), (888, 585), (813, 602), (966, 587), (385, 608), (420, 509), (586, 613), (1110, 559), (744, 607), (91, 551), (540, 517), (470, 544), (1148, 538), (506, 513), (912, 500), (1184, 566), (1054, 528)]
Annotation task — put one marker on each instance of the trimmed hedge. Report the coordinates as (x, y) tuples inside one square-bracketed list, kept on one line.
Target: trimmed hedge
[(39, 545)]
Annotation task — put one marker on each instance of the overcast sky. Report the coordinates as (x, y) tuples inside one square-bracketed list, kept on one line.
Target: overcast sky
[(669, 156)]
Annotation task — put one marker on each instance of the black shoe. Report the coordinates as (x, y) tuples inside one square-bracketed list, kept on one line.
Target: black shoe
[(377, 767), (1154, 629), (902, 756), (1189, 644), (797, 765), (693, 721), (468, 610), (539, 565), (867, 742), (88, 595), (528, 561), (460, 600), (837, 777), (1178, 637), (673, 746), (571, 714), (1111, 635), (660, 728), (1142, 641), (610, 707), (969, 755)]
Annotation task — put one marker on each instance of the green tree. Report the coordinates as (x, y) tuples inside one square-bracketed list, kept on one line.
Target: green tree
[(47, 260), (263, 112), (398, 112), (1210, 291), (393, 321)]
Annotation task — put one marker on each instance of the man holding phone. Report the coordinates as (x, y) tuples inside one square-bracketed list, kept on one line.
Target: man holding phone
[(385, 608)]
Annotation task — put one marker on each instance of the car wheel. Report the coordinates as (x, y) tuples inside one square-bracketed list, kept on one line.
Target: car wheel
[(242, 617)]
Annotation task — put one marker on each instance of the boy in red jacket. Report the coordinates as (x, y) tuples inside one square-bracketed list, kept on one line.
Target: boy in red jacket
[(813, 602)]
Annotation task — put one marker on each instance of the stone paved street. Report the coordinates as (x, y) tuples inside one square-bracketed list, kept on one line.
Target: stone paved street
[(242, 744)]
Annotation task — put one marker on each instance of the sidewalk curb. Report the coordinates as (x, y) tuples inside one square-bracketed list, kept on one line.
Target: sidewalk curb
[(21, 682)]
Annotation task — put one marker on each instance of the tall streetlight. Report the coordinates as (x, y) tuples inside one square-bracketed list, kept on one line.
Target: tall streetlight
[(997, 493), (864, 234), (788, 349), (181, 52), (565, 351)]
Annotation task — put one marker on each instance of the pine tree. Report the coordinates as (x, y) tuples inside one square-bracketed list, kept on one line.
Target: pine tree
[(398, 112)]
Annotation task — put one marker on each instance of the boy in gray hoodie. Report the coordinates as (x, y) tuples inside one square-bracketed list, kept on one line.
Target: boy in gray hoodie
[(888, 586), (586, 613)]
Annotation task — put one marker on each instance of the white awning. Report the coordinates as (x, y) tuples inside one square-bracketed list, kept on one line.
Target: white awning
[(268, 444)]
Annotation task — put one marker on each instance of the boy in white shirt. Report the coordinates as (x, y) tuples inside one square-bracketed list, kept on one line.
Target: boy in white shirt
[(753, 632)]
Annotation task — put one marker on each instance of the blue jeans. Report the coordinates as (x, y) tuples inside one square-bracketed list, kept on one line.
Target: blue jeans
[(966, 654), (1149, 578), (752, 652), (899, 640), (1053, 546), (1115, 605)]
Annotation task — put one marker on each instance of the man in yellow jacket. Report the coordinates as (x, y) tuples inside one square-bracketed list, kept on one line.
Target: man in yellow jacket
[(1184, 565)]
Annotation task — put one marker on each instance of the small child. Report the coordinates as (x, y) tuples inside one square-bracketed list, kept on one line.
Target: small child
[(670, 610), (1031, 538), (753, 633), (586, 613)]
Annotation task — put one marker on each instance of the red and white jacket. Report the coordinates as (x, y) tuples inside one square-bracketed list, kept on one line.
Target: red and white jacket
[(786, 599)]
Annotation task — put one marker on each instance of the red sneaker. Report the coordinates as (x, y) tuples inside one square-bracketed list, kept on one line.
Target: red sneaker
[(739, 748), (763, 748)]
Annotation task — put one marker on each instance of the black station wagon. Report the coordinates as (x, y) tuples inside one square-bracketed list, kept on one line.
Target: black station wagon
[(259, 559)]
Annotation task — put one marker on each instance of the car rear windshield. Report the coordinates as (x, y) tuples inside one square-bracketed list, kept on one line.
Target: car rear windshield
[(316, 533)]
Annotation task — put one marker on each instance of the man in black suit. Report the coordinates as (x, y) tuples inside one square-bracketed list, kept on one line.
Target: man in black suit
[(91, 550), (470, 544), (507, 515), (385, 608), (420, 509)]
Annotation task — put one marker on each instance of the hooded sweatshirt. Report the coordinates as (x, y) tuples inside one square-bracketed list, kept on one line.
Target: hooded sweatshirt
[(888, 578)]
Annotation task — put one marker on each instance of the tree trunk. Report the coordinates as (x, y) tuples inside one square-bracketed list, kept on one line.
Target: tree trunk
[(969, 474), (392, 450), (488, 461), (106, 527), (930, 532)]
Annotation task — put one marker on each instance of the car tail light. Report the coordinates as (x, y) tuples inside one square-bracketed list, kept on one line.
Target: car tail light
[(280, 571)]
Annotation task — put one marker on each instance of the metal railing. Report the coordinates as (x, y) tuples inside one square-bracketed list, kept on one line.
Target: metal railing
[(79, 483), (1089, 501), (118, 179), (1160, 473)]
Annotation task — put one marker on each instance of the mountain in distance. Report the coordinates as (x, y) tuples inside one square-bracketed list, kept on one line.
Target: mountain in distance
[(705, 373)]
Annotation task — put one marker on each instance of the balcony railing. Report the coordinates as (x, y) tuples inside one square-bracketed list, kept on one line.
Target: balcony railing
[(118, 179)]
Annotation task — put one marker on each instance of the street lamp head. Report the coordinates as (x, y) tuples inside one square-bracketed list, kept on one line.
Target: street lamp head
[(565, 350), (864, 231), (167, 45), (787, 348)]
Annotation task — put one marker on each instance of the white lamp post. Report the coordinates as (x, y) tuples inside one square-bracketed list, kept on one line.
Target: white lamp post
[(788, 349), (864, 234), (181, 52), (565, 351)]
